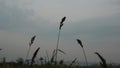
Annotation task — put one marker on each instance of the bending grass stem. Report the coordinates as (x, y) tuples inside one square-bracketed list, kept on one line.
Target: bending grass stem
[(85, 56)]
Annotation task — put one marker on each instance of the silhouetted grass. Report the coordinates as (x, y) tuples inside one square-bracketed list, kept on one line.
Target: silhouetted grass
[(80, 43), (31, 42), (103, 63), (61, 24), (52, 62), (34, 55)]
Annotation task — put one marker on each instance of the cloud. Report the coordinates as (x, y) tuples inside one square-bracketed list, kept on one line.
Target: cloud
[(22, 15), (15, 15), (11, 15)]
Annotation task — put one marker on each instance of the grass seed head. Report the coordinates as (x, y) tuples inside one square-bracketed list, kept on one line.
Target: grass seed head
[(80, 42), (34, 55)]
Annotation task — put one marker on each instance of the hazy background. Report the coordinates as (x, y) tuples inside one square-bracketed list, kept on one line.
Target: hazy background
[(95, 22)]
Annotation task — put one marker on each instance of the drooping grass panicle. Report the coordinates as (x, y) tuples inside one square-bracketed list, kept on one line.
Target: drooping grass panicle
[(34, 55), (102, 59), (103, 63), (79, 42)]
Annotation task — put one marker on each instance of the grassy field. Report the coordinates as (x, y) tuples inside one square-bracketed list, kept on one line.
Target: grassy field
[(16, 65)]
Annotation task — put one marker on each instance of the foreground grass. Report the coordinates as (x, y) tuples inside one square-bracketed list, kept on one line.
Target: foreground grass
[(52, 66)]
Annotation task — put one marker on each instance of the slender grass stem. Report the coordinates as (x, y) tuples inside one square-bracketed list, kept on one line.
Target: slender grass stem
[(57, 45), (85, 56), (80, 43), (28, 53)]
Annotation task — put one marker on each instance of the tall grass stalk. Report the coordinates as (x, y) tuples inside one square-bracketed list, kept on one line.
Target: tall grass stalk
[(80, 43), (61, 24), (57, 45), (31, 42)]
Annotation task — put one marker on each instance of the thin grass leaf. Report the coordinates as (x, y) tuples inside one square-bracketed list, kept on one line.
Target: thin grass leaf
[(72, 62), (61, 23), (79, 42), (103, 63), (53, 56), (34, 55), (32, 40), (61, 51)]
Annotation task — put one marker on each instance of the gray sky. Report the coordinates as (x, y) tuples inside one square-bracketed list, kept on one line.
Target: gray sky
[(95, 22)]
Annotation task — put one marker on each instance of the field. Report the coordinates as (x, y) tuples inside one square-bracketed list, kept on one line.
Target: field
[(15, 65)]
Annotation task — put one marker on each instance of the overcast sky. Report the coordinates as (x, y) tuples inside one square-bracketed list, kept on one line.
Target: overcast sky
[(95, 22)]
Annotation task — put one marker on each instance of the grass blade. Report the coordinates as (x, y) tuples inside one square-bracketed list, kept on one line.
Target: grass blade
[(53, 56), (72, 62), (103, 63), (34, 55), (61, 51)]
